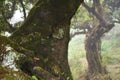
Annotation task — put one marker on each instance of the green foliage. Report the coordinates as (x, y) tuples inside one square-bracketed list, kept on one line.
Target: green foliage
[(76, 56), (81, 17), (110, 46), (34, 77), (2, 0), (110, 52), (116, 13), (7, 74), (114, 7)]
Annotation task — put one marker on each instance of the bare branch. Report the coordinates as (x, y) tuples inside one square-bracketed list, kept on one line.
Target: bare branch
[(91, 10), (77, 33), (24, 11)]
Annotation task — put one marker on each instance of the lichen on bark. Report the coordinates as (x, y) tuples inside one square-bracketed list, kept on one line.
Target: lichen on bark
[(45, 33)]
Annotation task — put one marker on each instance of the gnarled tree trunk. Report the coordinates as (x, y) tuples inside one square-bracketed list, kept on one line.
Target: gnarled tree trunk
[(93, 43), (46, 33), (93, 53)]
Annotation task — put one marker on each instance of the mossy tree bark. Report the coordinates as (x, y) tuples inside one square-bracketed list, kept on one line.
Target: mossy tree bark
[(8, 74), (46, 33)]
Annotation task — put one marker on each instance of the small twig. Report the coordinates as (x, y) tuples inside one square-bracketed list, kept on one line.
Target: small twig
[(24, 11)]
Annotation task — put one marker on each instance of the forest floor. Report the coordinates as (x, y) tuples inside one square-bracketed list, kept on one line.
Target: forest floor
[(113, 66), (114, 71)]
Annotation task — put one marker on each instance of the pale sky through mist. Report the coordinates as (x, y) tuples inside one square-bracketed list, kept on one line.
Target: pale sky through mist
[(18, 16)]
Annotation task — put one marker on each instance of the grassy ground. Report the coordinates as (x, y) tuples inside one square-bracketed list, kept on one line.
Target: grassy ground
[(110, 54), (77, 56)]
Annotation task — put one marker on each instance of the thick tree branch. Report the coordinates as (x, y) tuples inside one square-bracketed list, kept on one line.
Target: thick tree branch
[(77, 33), (104, 26), (91, 10)]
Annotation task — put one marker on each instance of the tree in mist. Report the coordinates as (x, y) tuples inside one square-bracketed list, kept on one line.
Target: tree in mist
[(94, 28), (114, 8)]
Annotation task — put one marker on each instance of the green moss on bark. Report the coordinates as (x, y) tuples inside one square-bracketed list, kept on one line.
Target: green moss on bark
[(7, 74), (46, 32)]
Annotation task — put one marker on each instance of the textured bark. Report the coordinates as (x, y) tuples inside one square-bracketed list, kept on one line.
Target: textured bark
[(8, 74), (93, 43), (93, 54), (46, 33)]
